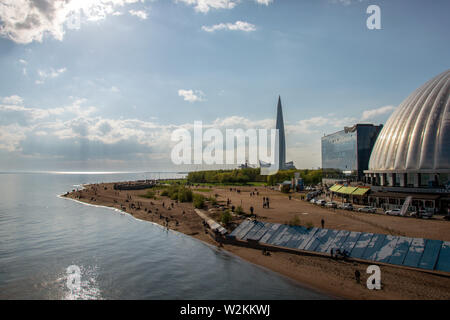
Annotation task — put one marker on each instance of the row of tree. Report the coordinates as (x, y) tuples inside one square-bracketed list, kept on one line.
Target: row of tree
[(247, 175)]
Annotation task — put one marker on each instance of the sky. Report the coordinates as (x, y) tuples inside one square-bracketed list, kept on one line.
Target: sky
[(101, 85)]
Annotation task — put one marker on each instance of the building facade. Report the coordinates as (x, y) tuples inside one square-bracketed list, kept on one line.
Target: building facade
[(346, 153), (412, 153)]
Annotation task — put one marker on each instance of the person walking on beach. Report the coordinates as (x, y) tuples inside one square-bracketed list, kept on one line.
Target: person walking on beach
[(357, 276), (264, 202), (251, 210), (322, 222), (267, 202)]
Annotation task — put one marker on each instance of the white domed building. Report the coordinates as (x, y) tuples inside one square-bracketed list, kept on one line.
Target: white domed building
[(412, 151)]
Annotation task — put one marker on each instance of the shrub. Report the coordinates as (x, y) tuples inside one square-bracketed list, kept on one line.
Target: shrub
[(226, 217), (213, 200), (199, 200), (309, 225), (150, 194), (184, 195), (178, 192), (239, 210)]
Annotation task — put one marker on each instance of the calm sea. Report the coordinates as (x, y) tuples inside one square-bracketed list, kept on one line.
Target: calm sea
[(120, 257)]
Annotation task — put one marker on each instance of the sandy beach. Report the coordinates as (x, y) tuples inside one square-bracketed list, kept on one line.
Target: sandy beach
[(333, 277)]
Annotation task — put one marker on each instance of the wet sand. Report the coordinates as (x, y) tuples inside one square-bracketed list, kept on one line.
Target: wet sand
[(335, 278)]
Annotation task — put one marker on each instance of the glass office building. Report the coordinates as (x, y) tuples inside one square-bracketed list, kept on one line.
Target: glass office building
[(346, 153)]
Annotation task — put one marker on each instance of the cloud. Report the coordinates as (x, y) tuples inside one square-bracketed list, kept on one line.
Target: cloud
[(76, 132), (12, 113), (10, 137), (371, 114), (25, 21), (265, 2), (346, 2), (237, 26), (204, 6), (49, 74), (191, 95), (141, 14), (320, 124), (14, 99)]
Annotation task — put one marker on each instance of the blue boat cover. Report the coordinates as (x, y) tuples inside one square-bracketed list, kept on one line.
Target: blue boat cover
[(386, 249), (350, 241), (415, 252), (411, 252), (443, 263), (400, 251), (361, 245), (272, 228), (430, 254)]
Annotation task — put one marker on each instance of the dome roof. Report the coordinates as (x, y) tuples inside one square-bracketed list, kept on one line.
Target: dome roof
[(416, 137)]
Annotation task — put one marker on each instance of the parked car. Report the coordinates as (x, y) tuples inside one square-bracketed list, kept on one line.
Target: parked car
[(393, 212), (346, 206), (321, 202), (312, 200), (331, 204), (424, 214), (367, 209)]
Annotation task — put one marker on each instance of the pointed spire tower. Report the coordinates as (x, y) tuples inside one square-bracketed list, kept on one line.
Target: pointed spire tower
[(282, 143)]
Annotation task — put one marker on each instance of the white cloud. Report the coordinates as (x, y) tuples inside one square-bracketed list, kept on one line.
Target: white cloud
[(25, 21), (265, 2), (14, 99), (320, 124), (191, 95), (28, 114), (373, 113), (11, 136), (205, 5), (77, 132), (141, 14), (114, 89), (49, 74), (237, 26)]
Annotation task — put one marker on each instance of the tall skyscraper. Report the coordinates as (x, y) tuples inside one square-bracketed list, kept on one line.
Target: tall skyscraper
[(280, 148), (282, 141)]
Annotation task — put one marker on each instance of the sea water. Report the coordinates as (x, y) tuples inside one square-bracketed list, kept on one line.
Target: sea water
[(119, 257)]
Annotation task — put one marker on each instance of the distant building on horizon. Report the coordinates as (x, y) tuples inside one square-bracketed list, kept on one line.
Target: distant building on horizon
[(346, 153)]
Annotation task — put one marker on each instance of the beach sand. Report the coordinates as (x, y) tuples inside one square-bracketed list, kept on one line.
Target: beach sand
[(332, 277)]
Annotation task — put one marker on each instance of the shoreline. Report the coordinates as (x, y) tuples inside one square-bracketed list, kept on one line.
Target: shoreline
[(334, 279), (212, 245)]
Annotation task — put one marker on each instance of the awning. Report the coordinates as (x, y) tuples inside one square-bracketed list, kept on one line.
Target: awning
[(335, 187), (360, 191), (347, 190)]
